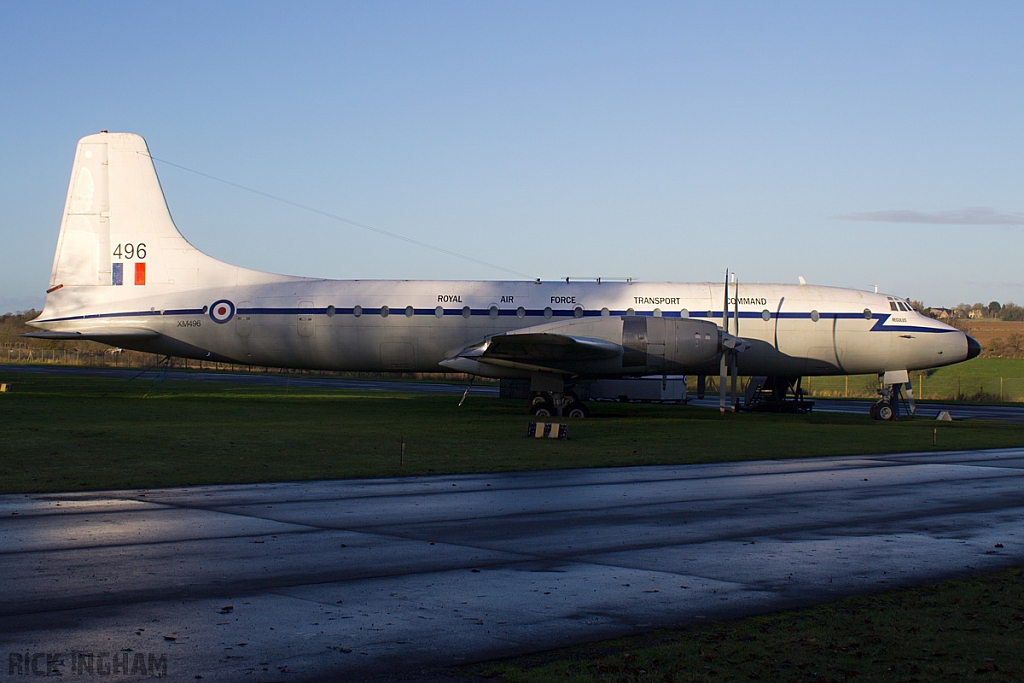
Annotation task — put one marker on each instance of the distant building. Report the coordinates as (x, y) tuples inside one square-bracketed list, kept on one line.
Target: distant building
[(976, 314), (939, 313)]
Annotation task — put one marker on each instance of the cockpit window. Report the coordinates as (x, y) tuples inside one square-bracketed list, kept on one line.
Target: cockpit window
[(899, 304)]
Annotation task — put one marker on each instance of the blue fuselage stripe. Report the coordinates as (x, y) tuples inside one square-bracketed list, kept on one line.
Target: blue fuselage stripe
[(880, 318)]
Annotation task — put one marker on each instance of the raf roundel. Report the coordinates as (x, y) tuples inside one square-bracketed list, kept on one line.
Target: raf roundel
[(222, 311)]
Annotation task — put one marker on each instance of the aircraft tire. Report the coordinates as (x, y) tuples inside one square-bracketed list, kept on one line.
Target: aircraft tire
[(577, 409), (885, 412), (542, 410), (874, 411)]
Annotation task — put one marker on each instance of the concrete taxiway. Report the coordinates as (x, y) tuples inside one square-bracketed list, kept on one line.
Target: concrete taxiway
[(346, 580)]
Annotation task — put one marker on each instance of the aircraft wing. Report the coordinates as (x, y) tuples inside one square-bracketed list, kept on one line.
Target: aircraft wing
[(541, 350), (564, 347)]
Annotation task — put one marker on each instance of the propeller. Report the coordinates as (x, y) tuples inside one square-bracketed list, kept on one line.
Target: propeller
[(732, 345), (736, 324), (723, 366)]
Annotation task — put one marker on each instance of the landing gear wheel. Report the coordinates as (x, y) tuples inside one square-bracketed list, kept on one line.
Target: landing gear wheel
[(885, 411), (577, 409), (542, 409), (874, 411)]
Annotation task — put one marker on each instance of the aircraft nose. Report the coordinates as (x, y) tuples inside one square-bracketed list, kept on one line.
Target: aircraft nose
[(973, 347)]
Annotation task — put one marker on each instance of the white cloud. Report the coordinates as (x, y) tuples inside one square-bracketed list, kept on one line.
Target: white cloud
[(972, 215)]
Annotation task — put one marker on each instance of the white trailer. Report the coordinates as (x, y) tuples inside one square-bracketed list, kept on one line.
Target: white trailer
[(659, 389)]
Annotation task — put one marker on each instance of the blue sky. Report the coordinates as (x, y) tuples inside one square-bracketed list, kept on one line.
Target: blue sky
[(855, 144)]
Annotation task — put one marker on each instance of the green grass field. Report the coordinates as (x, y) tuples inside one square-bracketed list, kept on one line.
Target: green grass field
[(979, 379), (967, 630), (62, 433)]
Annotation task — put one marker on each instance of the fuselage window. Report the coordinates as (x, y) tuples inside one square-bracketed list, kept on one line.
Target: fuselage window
[(766, 315), (577, 312), (903, 306), (684, 313), (466, 311), (384, 311), (605, 312), (657, 312), (492, 311), (330, 311), (439, 311), (630, 311), (867, 314), (893, 306), (409, 311), (547, 312), (814, 316), (521, 312), (357, 311)]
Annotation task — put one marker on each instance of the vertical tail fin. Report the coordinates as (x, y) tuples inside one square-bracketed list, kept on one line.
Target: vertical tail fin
[(117, 230), (117, 239)]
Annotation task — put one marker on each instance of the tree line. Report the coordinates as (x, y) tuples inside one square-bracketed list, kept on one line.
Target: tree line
[(1008, 311)]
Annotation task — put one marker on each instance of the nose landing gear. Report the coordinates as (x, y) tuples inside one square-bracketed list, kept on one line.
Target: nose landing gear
[(883, 410), (892, 399)]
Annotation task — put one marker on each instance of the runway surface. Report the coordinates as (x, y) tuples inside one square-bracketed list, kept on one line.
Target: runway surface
[(347, 580)]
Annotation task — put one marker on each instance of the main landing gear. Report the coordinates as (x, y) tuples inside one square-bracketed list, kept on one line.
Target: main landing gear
[(551, 404), (550, 397)]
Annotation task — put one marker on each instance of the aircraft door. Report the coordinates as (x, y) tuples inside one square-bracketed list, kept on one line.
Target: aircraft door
[(305, 322), (859, 349), (243, 319), (805, 338), (398, 355)]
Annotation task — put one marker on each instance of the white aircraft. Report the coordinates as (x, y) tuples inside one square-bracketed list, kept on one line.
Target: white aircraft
[(124, 275)]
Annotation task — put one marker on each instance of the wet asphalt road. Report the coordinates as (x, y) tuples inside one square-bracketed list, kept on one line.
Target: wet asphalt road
[(347, 580)]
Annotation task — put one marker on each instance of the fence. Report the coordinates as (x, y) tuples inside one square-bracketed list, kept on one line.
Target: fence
[(946, 384), (123, 358)]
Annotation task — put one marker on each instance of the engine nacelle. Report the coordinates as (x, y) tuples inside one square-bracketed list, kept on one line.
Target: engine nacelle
[(597, 347), (656, 346)]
